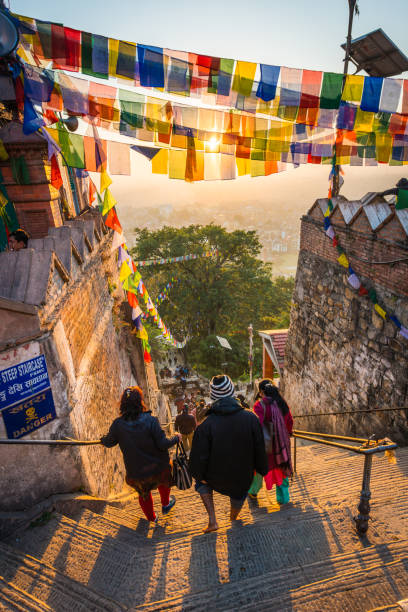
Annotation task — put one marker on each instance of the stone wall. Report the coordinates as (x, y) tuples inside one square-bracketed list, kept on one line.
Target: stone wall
[(74, 318), (341, 356)]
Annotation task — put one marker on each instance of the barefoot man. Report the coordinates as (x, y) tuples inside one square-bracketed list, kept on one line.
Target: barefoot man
[(228, 447)]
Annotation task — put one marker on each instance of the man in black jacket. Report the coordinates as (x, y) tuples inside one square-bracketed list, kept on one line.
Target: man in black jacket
[(228, 447)]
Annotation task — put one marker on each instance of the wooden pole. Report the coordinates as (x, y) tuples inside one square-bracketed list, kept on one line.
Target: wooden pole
[(352, 9)]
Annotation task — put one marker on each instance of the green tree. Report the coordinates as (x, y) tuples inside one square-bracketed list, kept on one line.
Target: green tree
[(217, 295)]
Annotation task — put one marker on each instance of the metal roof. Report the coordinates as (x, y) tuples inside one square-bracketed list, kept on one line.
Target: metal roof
[(377, 54), (377, 213), (403, 217), (349, 210)]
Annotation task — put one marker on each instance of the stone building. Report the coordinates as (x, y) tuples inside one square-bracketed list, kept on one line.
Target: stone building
[(341, 356)]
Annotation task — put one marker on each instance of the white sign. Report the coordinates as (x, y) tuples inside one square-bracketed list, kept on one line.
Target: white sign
[(224, 343)]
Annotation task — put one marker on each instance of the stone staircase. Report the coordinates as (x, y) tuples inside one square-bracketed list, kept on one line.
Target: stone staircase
[(304, 556)]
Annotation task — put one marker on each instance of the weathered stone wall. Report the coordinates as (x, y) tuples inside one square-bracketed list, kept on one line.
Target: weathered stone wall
[(90, 359), (341, 355)]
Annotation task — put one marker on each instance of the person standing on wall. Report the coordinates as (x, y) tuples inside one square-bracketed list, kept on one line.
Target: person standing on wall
[(273, 413), (227, 448), (145, 451), (185, 423)]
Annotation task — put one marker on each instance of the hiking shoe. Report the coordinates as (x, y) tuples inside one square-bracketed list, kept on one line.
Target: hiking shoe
[(166, 509)]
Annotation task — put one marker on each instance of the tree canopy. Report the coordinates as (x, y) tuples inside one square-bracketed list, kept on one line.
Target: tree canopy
[(219, 295)]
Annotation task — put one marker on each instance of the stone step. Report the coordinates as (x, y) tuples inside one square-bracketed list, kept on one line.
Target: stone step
[(48, 589), (381, 571), (356, 592), (14, 599), (125, 564)]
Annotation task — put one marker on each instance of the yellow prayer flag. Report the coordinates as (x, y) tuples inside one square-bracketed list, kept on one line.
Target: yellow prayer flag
[(3, 153), (113, 55), (257, 167), (383, 144), (160, 162), (353, 88), (106, 180), (243, 165), (125, 271), (244, 77), (3, 200), (108, 202), (380, 311), (177, 164), (142, 334), (364, 121), (343, 261)]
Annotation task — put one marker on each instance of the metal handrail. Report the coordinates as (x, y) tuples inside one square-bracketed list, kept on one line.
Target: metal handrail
[(53, 442), (315, 414), (366, 447)]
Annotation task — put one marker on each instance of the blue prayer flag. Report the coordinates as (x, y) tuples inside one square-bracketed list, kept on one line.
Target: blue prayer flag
[(370, 100), (151, 69), (268, 83)]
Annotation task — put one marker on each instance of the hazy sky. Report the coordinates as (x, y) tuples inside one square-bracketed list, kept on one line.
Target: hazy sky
[(297, 33)]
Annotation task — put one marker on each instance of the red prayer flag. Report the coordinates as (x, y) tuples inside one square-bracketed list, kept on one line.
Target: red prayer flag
[(132, 299), (92, 191), (112, 221), (146, 357), (56, 178), (51, 116), (58, 46), (72, 49), (362, 291), (335, 241)]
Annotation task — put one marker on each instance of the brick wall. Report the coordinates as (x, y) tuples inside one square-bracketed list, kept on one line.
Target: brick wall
[(341, 355)]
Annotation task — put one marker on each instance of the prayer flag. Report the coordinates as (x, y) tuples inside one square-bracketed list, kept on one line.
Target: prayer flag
[(151, 69), (106, 180), (330, 232), (268, 82), (380, 311), (310, 92), (353, 88), (224, 76), (396, 321), (404, 332), (125, 271), (56, 178), (353, 280), (291, 84), (112, 221), (362, 291), (119, 158), (390, 95), (402, 199), (331, 90), (244, 77), (108, 202), (343, 261), (118, 239), (371, 94), (32, 122), (126, 62), (372, 294)]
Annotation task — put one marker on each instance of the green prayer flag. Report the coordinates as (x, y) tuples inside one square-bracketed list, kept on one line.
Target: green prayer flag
[(402, 199), (131, 108), (72, 147), (340, 249), (331, 90), (372, 294)]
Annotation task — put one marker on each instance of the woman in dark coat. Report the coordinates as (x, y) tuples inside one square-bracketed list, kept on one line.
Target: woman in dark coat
[(145, 451), (227, 448)]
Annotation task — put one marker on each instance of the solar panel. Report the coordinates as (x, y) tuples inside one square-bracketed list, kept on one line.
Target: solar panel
[(377, 55)]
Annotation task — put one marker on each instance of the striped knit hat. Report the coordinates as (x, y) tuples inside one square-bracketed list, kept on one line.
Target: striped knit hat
[(221, 386)]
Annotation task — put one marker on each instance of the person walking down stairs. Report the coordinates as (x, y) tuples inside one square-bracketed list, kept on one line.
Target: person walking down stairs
[(145, 451), (227, 448), (276, 420), (185, 423)]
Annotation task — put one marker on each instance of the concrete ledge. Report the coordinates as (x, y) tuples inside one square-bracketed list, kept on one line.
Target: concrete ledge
[(10, 522)]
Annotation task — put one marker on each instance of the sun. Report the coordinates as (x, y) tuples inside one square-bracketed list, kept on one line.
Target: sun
[(213, 144)]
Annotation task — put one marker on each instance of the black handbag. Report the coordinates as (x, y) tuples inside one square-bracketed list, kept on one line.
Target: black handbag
[(181, 474)]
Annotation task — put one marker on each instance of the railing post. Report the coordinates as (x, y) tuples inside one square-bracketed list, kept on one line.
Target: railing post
[(364, 506), (294, 454)]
